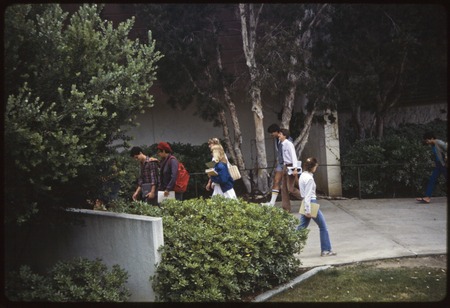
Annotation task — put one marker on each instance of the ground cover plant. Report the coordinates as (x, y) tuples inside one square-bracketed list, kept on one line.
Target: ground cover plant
[(78, 280), (373, 282), (219, 249)]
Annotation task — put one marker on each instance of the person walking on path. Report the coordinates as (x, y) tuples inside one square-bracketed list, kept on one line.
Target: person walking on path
[(288, 178), (168, 170), (308, 191), (210, 185), (439, 149), (274, 131), (149, 176), (223, 179)]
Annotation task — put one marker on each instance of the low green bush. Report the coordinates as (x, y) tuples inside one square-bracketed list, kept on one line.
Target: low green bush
[(397, 166), (221, 249), (79, 280)]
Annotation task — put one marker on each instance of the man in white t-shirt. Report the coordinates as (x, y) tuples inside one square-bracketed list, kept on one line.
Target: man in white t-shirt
[(289, 160)]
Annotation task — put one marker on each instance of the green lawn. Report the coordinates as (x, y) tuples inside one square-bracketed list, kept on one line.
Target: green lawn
[(367, 283)]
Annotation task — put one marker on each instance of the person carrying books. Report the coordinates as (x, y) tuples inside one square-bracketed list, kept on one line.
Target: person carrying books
[(221, 176), (308, 191)]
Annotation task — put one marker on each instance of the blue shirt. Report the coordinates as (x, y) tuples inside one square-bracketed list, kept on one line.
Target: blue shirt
[(223, 177)]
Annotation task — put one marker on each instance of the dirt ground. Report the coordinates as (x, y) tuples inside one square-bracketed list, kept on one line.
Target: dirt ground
[(434, 261)]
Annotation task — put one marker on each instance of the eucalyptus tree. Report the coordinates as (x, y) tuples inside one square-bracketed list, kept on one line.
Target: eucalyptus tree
[(294, 62), (192, 70), (384, 52), (250, 13), (72, 86)]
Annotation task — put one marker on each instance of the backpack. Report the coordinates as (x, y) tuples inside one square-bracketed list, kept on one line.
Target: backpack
[(182, 178)]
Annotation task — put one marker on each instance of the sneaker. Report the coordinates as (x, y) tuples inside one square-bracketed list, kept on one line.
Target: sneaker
[(327, 253)]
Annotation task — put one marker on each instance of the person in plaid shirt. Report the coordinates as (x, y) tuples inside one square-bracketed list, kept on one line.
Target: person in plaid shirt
[(148, 179)]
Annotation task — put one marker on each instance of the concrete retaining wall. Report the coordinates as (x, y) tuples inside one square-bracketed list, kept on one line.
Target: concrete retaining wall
[(131, 241)]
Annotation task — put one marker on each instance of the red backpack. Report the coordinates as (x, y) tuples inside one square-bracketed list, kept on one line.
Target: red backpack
[(182, 178)]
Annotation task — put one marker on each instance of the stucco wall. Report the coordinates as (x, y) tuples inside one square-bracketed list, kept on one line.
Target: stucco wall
[(162, 123), (131, 241)]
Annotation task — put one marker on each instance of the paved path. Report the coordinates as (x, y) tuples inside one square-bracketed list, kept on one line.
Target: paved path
[(364, 230)]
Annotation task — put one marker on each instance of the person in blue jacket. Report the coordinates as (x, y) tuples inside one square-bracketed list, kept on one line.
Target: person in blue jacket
[(223, 177)]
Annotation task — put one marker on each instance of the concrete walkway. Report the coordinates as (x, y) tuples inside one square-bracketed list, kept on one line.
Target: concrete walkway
[(364, 230)]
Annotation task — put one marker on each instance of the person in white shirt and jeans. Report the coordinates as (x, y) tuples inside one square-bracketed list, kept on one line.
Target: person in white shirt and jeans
[(308, 191), (289, 160)]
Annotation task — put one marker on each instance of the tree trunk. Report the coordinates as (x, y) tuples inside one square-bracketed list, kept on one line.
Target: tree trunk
[(289, 101), (357, 123), (249, 21), (302, 139), (234, 147)]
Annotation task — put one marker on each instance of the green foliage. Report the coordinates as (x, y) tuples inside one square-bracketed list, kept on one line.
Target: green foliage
[(292, 49), (189, 72), (378, 50), (79, 280), (398, 165), (221, 249), (73, 86)]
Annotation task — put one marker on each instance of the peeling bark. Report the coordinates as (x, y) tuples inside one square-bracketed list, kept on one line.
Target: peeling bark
[(249, 22)]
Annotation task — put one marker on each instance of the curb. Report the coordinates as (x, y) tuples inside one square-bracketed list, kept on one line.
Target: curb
[(265, 296)]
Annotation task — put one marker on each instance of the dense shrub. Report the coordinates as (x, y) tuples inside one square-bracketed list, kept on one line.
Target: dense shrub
[(79, 280), (221, 249), (399, 165), (75, 86)]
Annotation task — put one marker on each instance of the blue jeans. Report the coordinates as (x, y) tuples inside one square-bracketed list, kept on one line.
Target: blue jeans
[(325, 243), (438, 170)]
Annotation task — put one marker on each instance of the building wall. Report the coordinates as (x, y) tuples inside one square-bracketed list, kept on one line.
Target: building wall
[(163, 123)]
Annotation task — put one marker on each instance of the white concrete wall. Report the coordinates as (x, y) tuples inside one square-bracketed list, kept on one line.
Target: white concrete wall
[(131, 241)]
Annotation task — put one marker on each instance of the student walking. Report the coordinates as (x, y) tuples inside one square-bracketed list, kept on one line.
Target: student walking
[(168, 170), (289, 174), (274, 131), (223, 180), (148, 179), (439, 149), (210, 185), (308, 191)]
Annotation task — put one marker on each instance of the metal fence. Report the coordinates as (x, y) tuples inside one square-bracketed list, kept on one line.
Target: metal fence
[(200, 178)]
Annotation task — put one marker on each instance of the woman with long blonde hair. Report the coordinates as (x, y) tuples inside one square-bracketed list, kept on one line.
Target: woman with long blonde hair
[(223, 182)]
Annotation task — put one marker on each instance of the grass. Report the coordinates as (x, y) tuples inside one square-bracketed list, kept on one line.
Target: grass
[(365, 283)]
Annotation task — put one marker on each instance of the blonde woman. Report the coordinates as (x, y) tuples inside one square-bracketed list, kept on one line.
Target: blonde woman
[(223, 179), (216, 188)]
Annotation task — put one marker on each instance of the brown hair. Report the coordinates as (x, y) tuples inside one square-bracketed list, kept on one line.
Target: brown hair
[(310, 163), (285, 132)]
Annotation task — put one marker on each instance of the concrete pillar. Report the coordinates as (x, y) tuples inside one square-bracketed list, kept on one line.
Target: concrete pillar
[(332, 154), (323, 143)]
